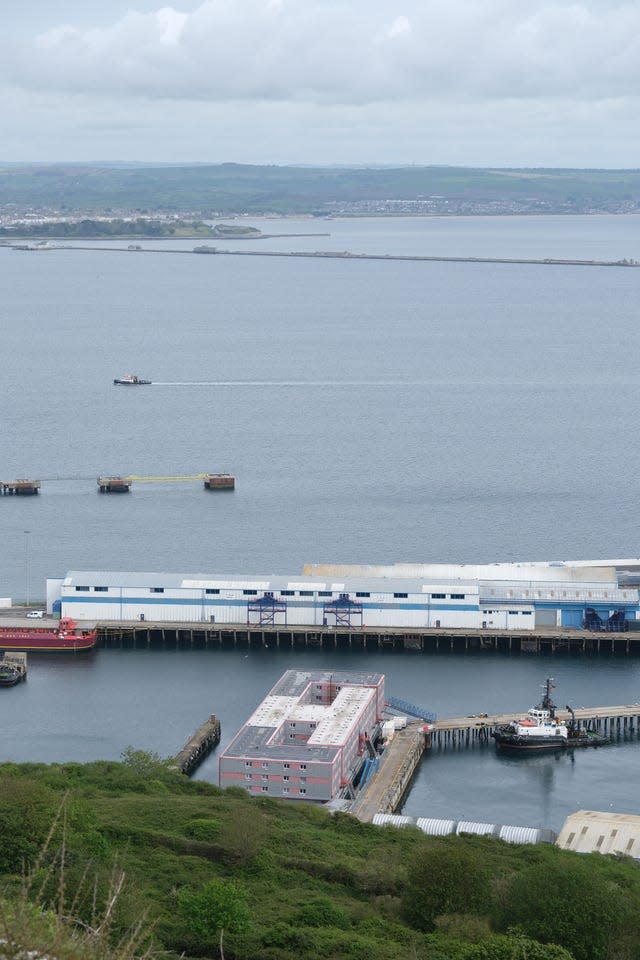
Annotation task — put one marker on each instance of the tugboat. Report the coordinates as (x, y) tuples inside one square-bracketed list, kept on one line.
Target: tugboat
[(542, 730), (131, 380)]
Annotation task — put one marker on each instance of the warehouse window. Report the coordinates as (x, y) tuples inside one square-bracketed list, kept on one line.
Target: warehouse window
[(287, 593), (324, 593), (305, 593), (285, 789), (401, 596), (250, 593), (526, 613), (600, 840), (211, 591), (285, 777), (457, 596), (363, 594), (513, 613), (438, 596), (101, 589), (83, 588), (286, 765), (156, 589), (303, 766), (302, 790)]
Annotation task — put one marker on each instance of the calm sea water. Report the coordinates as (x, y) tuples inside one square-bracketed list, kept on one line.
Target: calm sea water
[(371, 412)]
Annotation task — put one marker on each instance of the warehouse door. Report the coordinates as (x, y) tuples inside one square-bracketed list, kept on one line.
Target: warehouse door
[(545, 617)]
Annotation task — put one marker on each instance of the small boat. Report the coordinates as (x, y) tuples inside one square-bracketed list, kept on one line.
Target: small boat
[(542, 730), (131, 380), (9, 675)]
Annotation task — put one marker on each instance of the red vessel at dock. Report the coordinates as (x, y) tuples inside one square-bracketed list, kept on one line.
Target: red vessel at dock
[(66, 637)]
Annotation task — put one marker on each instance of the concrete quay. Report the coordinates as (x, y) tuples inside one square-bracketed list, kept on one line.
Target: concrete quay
[(386, 788), (199, 746)]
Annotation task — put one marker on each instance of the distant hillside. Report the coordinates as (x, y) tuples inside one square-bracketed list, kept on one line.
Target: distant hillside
[(234, 189)]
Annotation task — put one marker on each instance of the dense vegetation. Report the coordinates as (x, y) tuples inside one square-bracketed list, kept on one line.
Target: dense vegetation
[(237, 188), (109, 229), (90, 851)]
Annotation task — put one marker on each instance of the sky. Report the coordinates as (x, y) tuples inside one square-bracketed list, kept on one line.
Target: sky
[(541, 83)]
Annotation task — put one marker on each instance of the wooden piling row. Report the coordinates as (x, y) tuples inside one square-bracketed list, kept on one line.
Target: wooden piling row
[(421, 640)]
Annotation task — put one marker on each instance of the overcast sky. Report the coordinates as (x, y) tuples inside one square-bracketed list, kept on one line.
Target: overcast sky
[(479, 82)]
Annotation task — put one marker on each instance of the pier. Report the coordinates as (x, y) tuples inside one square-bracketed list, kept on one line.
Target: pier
[(24, 488), (384, 791), (199, 746), (386, 788), (469, 731), (426, 640)]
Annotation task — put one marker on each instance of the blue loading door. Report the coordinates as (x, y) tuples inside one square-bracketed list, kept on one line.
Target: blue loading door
[(573, 618)]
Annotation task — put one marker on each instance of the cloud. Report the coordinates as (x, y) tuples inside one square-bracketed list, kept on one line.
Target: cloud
[(335, 52)]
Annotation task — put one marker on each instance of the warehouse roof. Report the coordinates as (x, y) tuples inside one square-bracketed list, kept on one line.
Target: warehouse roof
[(592, 831)]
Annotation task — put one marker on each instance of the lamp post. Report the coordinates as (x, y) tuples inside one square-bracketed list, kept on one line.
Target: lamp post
[(26, 565)]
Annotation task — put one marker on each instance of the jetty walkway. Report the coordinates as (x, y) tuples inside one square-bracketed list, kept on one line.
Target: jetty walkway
[(465, 731)]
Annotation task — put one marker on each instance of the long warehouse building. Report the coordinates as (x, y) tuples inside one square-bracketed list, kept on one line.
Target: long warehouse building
[(494, 596)]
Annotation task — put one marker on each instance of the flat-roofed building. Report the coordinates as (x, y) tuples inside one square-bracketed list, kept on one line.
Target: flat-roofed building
[(308, 738)]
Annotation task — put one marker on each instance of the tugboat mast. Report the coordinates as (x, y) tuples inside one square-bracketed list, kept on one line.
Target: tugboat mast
[(547, 702)]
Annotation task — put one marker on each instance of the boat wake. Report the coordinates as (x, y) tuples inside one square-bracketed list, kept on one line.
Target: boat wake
[(291, 383)]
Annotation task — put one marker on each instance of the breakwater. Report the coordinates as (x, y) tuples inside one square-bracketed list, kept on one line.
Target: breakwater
[(346, 255)]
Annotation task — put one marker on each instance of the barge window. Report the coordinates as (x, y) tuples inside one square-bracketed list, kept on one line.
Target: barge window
[(101, 589), (400, 596), (156, 589), (211, 591), (83, 588)]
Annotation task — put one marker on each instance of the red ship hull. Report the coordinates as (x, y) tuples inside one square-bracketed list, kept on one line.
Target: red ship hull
[(68, 638)]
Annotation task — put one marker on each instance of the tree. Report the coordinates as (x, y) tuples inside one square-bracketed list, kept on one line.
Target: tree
[(445, 879), (218, 907)]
